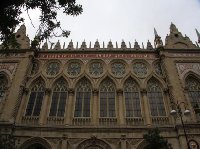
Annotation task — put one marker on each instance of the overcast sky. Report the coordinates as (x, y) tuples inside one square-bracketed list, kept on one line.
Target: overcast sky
[(128, 20)]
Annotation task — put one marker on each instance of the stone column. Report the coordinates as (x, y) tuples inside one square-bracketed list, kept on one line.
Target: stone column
[(22, 108), (147, 115), (95, 107), (123, 142), (44, 109), (120, 107), (70, 108)]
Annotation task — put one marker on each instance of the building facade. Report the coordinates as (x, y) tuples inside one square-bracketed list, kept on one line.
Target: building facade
[(100, 97)]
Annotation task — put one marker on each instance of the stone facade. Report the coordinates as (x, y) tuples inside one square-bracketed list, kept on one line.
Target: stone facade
[(100, 97)]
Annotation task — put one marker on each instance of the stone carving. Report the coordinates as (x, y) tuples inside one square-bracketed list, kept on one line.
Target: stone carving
[(53, 68), (96, 69), (8, 67), (183, 68), (140, 69), (118, 69), (74, 69)]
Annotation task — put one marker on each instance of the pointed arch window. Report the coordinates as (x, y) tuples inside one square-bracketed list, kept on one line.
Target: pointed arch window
[(35, 99), (107, 99), (193, 86), (3, 87), (59, 98), (132, 99), (155, 97), (83, 98)]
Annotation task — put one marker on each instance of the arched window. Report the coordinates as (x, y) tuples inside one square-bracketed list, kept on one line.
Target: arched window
[(59, 98), (3, 86), (193, 86), (83, 96), (155, 97), (107, 99), (132, 99), (35, 99)]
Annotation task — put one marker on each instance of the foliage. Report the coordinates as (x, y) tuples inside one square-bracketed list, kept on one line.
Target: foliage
[(155, 140), (11, 10)]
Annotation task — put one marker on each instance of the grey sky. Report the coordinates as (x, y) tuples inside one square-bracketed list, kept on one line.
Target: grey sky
[(128, 20)]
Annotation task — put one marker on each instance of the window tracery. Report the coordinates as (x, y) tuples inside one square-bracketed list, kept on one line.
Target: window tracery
[(193, 86), (3, 87), (107, 99), (118, 69), (59, 98), (140, 69), (53, 68), (132, 99), (155, 97), (74, 68), (96, 68), (35, 68), (83, 97), (35, 99)]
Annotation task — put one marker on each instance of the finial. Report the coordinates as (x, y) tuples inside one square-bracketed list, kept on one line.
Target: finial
[(103, 45), (64, 45), (198, 35), (77, 45), (116, 45), (90, 44), (129, 44), (142, 45)]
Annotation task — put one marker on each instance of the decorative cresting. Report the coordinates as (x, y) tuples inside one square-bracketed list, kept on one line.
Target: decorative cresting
[(74, 68), (3, 86), (93, 143), (35, 68), (83, 97), (96, 68), (193, 86), (53, 68), (118, 69), (132, 102), (35, 143), (158, 69), (59, 98), (35, 99), (140, 69), (107, 103), (155, 98)]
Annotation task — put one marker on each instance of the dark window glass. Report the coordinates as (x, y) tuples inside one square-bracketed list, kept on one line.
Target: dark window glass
[(35, 99), (107, 99), (155, 98), (132, 99), (193, 86), (59, 98), (83, 96), (3, 86)]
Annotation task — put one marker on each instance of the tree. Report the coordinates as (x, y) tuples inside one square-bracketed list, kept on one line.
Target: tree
[(155, 140), (11, 10)]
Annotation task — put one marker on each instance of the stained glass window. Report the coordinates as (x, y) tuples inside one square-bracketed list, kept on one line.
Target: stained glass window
[(96, 68), (118, 69), (35, 99), (155, 97), (3, 86), (83, 97), (35, 68), (132, 99), (59, 98), (53, 68), (193, 91), (140, 69), (74, 68), (107, 99), (158, 69)]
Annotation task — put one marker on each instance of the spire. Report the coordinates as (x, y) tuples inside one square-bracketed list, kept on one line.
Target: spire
[(96, 45), (155, 32), (83, 46), (136, 45), (110, 45), (123, 45), (149, 46), (70, 45), (45, 46), (198, 35), (173, 28), (57, 46)]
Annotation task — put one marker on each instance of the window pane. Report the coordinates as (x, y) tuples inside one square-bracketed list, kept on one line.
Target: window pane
[(38, 104), (30, 104), (54, 104)]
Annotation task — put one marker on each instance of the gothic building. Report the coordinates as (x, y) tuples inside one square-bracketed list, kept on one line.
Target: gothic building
[(101, 97)]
